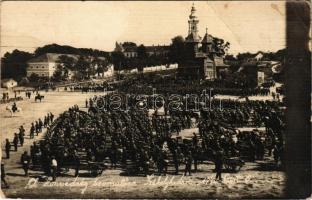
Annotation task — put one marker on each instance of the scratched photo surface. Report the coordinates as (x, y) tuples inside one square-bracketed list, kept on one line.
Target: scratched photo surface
[(143, 99)]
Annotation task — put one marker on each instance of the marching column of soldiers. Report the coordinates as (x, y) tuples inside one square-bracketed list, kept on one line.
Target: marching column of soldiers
[(19, 139)]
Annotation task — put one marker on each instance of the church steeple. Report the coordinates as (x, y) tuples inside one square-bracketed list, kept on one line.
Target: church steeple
[(192, 29)]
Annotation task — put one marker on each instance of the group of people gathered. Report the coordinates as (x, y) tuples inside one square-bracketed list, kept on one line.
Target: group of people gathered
[(18, 140), (141, 142)]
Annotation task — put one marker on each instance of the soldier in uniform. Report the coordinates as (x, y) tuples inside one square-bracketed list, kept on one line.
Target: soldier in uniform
[(219, 164), (188, 163), (3, 176), (176, 161), (77, 163), (15, 141), (25, 160), (40, 124), (7, 148), (37, 129), (51, 117), (21, 135), (32, 131)]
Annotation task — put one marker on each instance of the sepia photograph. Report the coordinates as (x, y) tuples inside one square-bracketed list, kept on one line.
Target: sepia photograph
[(155, 99)]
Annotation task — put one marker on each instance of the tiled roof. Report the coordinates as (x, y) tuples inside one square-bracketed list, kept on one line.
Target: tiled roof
[(207, 38)]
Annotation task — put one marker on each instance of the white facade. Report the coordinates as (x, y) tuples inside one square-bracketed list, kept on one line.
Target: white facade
[(131, 54), (260, 77), (42, 69)]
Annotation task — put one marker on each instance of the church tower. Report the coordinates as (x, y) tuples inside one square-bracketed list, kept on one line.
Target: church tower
[(193, 39)]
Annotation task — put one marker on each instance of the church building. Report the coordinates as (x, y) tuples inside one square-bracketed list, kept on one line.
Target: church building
[(201, 61)]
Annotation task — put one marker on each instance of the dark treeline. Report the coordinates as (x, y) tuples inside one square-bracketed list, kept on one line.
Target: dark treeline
[(64, 49), (14, 65)]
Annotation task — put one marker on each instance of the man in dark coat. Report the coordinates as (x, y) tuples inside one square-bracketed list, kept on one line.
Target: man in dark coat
[(15, 141), (77, 163), (219, 164), (188, 163), (32, 131), (21, 135), (25, 159), (7, 148), (3, 176)]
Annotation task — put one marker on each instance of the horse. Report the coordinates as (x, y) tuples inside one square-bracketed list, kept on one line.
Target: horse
[(39, 97), (9, 108)]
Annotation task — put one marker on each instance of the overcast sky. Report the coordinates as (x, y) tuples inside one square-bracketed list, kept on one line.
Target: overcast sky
[(248, 26)]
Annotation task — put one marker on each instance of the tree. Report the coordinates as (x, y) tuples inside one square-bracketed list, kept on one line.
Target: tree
[(176, 51), (14, 65), (57, 75), (118, 60), (100, 65), (63, 49), (34, 78), (220, 46), (244, 56), (67, 62), (83, 66), (229, 57), (141, 50), (129, 44)]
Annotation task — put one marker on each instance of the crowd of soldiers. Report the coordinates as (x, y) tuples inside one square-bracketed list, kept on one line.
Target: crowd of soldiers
[(137, 141), (90, 87), (147, 86)]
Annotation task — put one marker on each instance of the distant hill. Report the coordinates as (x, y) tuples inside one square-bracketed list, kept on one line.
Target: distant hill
[(14, 64), (64, 49)]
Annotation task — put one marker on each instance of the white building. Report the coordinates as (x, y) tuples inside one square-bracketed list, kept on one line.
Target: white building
[(44, 65)]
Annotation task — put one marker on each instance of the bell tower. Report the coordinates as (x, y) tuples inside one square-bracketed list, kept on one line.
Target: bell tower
[(193, 21), (193, 39)]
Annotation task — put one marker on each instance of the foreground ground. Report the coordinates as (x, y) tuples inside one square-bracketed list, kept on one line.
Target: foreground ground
[(254, 179)]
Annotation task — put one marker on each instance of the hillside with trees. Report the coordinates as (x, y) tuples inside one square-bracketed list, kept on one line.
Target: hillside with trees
[(14, 64)]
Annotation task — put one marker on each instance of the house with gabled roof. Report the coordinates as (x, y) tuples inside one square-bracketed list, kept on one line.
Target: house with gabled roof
[(45, 64)]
